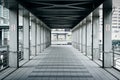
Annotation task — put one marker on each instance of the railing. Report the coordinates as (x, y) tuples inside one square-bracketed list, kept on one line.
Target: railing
[(4, 57), (115, 51), (116, 57), (89, 50), (20, 53)]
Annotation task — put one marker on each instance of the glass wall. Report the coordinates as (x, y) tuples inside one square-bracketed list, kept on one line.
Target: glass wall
[(116, 33)]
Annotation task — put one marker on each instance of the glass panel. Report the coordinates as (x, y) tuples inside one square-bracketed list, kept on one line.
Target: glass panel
[(116, 33)]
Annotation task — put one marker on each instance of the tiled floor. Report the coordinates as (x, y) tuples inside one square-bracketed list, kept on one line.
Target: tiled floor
[(60, 62)]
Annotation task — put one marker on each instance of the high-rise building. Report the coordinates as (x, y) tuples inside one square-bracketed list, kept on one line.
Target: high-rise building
[(4, 23), (116, 23), (115, 20), (4, 16)]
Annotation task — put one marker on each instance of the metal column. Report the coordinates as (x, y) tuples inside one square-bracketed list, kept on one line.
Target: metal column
[(34, 37), (26, 38), (95, 34), (38, 38), (0, 37), (107, 41), (14, 38)]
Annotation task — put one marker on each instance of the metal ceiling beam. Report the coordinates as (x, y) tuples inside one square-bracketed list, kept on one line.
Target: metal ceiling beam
[(61, 12)]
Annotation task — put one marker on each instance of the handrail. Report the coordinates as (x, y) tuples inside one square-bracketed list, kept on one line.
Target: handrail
[(4, 54), (3, 59), (115, 52), (116, 64)]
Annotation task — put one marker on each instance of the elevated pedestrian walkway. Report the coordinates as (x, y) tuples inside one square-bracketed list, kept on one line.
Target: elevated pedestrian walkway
[(60, 62)]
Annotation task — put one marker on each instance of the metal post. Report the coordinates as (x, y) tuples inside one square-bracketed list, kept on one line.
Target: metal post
[(33, 39), (107, 42), (26, 31), (14, 42)]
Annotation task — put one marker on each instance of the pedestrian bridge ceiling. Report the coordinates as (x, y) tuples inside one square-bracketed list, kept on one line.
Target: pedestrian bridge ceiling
[(60, 13)]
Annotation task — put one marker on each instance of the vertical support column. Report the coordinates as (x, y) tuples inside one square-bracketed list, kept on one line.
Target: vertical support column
[(44, 38), (72, 38), (73, 43), (50, 37), (26, 36), (86, 38), (0, 36), (95, 34), (65, 37), (76, 39), (34, 37), (3, 36), (38, 38), (41, 38), (89, 40), (79, 38), (57, 36), (14, 38), (89, 36), (82, 38), (49, 31), (92, 40), (107, 41), (47, 38)]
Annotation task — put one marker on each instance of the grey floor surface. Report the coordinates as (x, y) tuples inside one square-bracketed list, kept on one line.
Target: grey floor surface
[(60, 62)]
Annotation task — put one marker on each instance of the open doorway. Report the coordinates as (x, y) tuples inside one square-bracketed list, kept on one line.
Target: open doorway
[(61, 37)]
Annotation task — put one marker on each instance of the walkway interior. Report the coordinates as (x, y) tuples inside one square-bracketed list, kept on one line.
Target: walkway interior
[(60, 62)]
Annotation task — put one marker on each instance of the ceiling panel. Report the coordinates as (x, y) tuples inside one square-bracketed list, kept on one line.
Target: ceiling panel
[(60, 13)]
